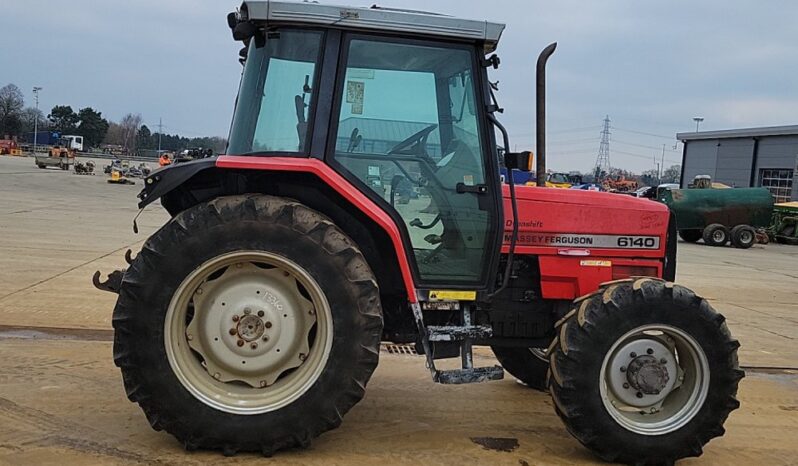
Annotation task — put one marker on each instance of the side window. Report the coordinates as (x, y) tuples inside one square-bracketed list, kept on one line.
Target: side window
[(408, 130), (400, 103), (282, 122), (276, 94)]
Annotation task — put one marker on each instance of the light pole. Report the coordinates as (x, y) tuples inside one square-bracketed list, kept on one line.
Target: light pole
[(36, 90), (698, 121)]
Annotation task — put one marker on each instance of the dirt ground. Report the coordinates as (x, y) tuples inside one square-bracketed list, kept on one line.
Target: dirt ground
[(62, 401)]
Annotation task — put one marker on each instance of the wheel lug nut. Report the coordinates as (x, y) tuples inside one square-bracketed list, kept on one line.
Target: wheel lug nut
[(232, 331), (262, 384), (253, 345), (650, 351), (634, 355), (199, 290), (286, 273), (268, 324), (239, 265), (663, 361), (302, 356), (639, 395), (312, 311), (265, 338), (625, 385), (623, 369), (240, 343), (247, 311), (189, 337), (235, 318), (217, 376), (261, 313)]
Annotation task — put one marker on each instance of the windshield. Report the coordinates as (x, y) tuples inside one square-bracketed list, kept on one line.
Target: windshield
[(276, 94)]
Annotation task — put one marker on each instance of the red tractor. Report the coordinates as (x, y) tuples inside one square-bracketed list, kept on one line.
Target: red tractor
[(361, 202)]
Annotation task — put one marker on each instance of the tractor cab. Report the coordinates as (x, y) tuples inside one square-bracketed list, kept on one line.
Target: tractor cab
[(403, 115)]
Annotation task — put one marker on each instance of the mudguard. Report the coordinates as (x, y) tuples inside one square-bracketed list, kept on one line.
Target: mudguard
[(165, 179)]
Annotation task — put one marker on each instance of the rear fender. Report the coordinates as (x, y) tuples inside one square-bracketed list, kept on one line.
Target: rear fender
[(307, 180)]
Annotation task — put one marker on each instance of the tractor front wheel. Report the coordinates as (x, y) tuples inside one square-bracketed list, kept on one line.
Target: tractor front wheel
[(528, 365), (248, 323), (644, 371)]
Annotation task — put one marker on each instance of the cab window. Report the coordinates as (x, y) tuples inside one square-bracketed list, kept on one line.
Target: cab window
[(408, 130)]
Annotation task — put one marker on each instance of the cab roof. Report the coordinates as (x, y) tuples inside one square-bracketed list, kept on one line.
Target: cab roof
[(373, 18)]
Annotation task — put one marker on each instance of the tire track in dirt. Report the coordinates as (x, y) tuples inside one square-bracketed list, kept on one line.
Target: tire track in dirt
[(40, 429)]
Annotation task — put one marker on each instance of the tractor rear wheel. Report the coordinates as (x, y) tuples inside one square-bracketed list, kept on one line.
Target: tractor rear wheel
[(248, 323), (716, 235), (528, 365), (743, 236), (690, 236), (644, 371)]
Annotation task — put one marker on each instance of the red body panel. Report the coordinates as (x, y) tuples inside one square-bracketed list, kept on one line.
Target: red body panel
[(343, 187), (549, 215), (546, 214)]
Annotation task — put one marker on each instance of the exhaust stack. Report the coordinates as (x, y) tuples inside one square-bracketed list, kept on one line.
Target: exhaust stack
[(540, 113)]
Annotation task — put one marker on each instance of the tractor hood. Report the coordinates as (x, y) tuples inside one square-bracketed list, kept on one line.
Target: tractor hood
[(552, 217)]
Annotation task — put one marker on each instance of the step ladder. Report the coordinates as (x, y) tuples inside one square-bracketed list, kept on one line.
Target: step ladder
[(465, 334)]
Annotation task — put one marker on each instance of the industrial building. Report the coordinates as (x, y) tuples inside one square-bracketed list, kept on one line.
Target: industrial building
[(748, 157)]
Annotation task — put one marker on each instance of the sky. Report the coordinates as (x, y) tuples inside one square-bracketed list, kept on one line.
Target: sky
[(651, 66)]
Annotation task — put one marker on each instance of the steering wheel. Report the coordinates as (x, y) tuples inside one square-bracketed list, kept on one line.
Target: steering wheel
[(419, 140)]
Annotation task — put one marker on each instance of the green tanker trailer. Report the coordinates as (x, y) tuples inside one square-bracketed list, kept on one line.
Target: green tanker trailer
[(719, 216)]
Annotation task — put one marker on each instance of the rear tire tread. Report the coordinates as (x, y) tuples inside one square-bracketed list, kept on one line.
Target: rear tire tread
[(256, 208)]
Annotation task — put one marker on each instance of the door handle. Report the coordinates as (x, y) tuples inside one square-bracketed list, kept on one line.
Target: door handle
[(476, 189)]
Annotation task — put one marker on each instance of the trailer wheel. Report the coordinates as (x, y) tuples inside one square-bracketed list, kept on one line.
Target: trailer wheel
[(690, 236), (743, 236), (716, 235), (248, 323), (644, 372), (528, 365)]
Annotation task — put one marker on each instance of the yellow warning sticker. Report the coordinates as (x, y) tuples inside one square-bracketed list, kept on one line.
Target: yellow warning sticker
[(595, 263), (453, 295)]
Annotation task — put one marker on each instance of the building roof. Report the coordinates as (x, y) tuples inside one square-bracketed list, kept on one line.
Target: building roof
[(374, 18), (790, 130)]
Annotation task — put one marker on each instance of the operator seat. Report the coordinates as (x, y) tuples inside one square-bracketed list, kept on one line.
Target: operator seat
[(460, 166)]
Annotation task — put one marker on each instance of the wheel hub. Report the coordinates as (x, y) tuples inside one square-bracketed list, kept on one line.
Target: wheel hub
[(640, 374), (647, 375), (250, 328)]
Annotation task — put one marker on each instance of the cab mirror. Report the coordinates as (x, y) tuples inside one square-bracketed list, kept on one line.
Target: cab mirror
[(519, 161)]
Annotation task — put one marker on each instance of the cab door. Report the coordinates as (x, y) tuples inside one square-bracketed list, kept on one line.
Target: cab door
[(409, 129)]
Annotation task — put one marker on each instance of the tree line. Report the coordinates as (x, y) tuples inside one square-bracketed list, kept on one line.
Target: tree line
[(17, 120)]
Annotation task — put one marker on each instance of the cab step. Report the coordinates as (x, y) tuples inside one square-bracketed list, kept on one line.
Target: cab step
[(457, 333), (473, 375), (465, 334)]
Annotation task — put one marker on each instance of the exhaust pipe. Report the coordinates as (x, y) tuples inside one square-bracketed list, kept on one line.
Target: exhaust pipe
[(540, 113)]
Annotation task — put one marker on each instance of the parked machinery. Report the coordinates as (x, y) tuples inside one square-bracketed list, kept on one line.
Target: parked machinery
[(720, 216)]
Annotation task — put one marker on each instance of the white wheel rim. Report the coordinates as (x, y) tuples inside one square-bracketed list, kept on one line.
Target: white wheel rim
[(263, 300), (681, 393)]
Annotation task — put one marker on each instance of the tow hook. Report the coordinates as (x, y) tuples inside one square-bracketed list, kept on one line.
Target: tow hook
[(112, 283)]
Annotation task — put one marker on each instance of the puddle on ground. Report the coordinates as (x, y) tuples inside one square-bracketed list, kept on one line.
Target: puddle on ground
[(496, 443)]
